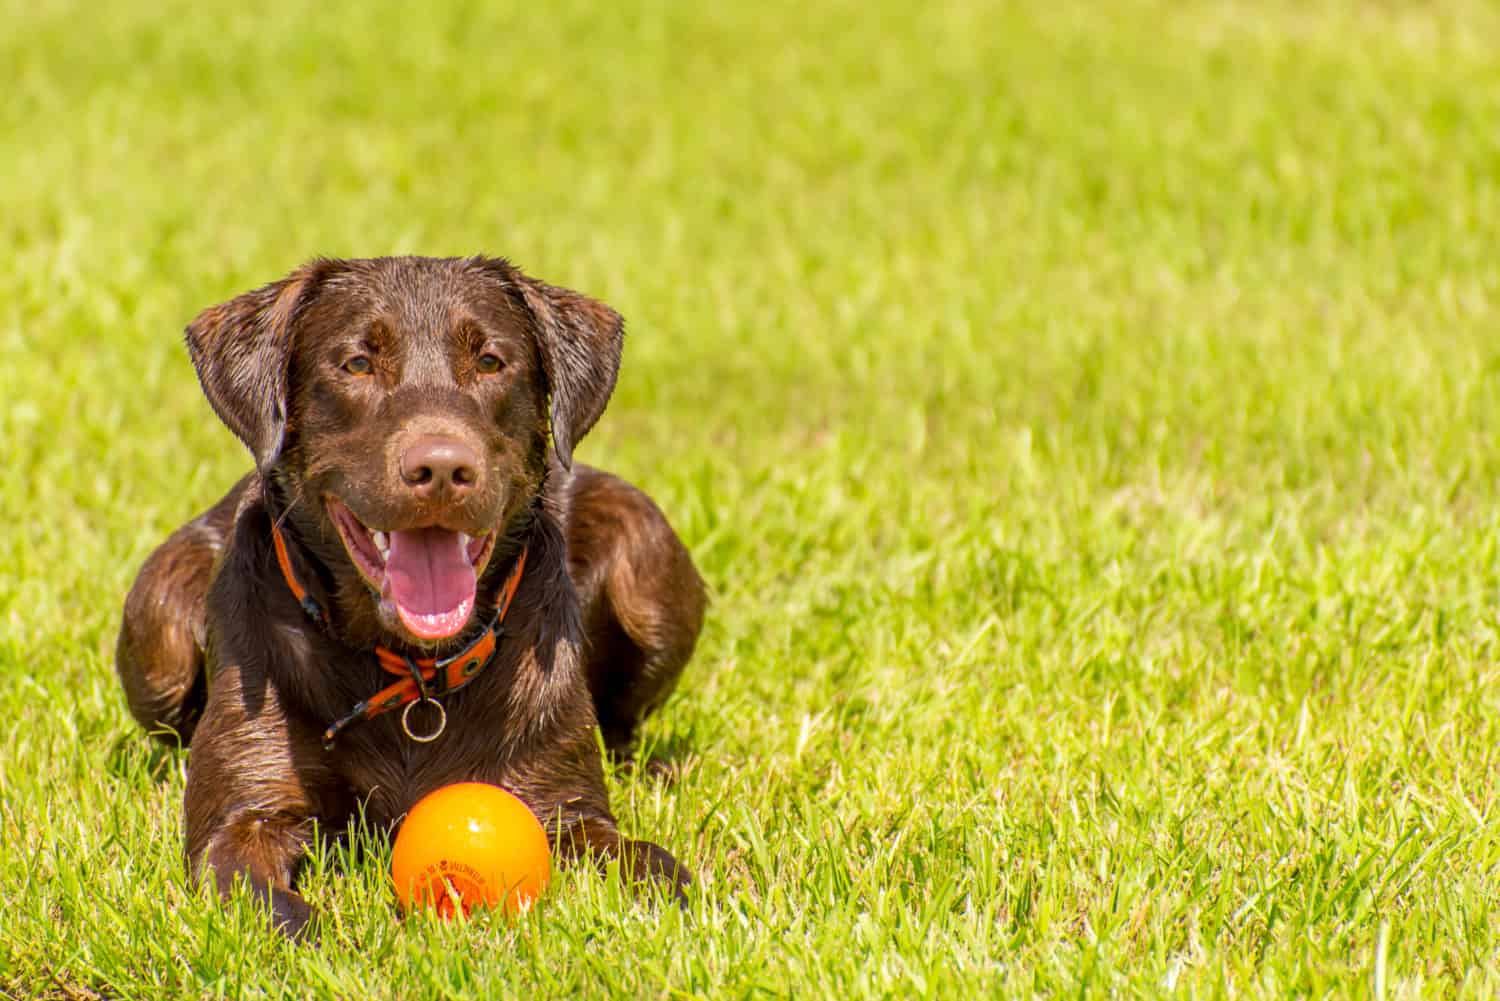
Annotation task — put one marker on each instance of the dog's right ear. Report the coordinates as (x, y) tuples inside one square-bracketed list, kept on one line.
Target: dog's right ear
[(242, 350)]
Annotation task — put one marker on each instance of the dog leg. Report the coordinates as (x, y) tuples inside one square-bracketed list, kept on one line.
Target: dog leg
[(263, 850), (255, 782), (598, 840), (642, 600), (159, 654)]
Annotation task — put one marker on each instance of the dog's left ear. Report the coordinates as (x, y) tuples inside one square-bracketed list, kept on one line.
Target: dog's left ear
[(580, 341)]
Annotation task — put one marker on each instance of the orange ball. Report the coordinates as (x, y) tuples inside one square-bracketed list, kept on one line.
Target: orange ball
[(472, 841)]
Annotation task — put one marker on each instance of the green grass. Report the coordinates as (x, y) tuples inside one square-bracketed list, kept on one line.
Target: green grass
[(1084, 413)]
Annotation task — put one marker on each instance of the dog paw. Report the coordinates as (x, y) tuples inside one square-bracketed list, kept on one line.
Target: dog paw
[(649, 861), (291, 914)]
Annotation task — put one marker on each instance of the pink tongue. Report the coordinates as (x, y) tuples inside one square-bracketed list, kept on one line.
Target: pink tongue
[(431, 581)]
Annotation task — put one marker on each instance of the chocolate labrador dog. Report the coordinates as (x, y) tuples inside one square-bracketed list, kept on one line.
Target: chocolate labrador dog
[(413, 587)]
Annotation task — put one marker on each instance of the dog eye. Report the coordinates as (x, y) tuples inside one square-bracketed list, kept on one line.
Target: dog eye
[(489, 363), (358, 365)]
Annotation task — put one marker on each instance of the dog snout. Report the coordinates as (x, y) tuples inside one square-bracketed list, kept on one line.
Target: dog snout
[(435, 466)]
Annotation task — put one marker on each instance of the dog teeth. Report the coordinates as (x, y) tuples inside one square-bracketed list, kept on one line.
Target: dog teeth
[(464, 540), (382, 543)]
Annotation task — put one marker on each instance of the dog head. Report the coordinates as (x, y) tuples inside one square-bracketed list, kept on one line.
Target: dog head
[(406, 405)]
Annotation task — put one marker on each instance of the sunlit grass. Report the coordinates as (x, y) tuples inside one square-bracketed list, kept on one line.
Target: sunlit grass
[(1084, 415)]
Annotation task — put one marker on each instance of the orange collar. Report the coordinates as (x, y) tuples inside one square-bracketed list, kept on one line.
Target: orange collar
[(422, 678)]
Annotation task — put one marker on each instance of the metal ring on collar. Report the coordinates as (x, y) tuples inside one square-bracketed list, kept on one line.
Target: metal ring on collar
[(424, 738)]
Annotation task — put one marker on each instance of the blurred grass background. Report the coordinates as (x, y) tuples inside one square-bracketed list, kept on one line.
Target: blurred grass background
[(1084, 414)]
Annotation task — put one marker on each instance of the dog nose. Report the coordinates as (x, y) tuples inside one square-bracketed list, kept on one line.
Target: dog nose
[(434, 465)]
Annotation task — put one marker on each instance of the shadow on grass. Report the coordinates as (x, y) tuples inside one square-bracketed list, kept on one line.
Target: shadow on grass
[(136, 754), (665, 761)]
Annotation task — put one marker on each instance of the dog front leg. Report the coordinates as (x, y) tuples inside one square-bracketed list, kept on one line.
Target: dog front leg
[(249, 807), (598, 840), (264, 850)]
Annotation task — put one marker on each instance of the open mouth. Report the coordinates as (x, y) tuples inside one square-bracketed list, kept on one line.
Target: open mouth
[(427, 574)]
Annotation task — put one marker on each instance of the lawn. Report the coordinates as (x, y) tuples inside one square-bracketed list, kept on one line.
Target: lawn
[(1083, 413)]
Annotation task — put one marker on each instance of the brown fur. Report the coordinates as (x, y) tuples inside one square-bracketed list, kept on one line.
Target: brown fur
[(214, 650)]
